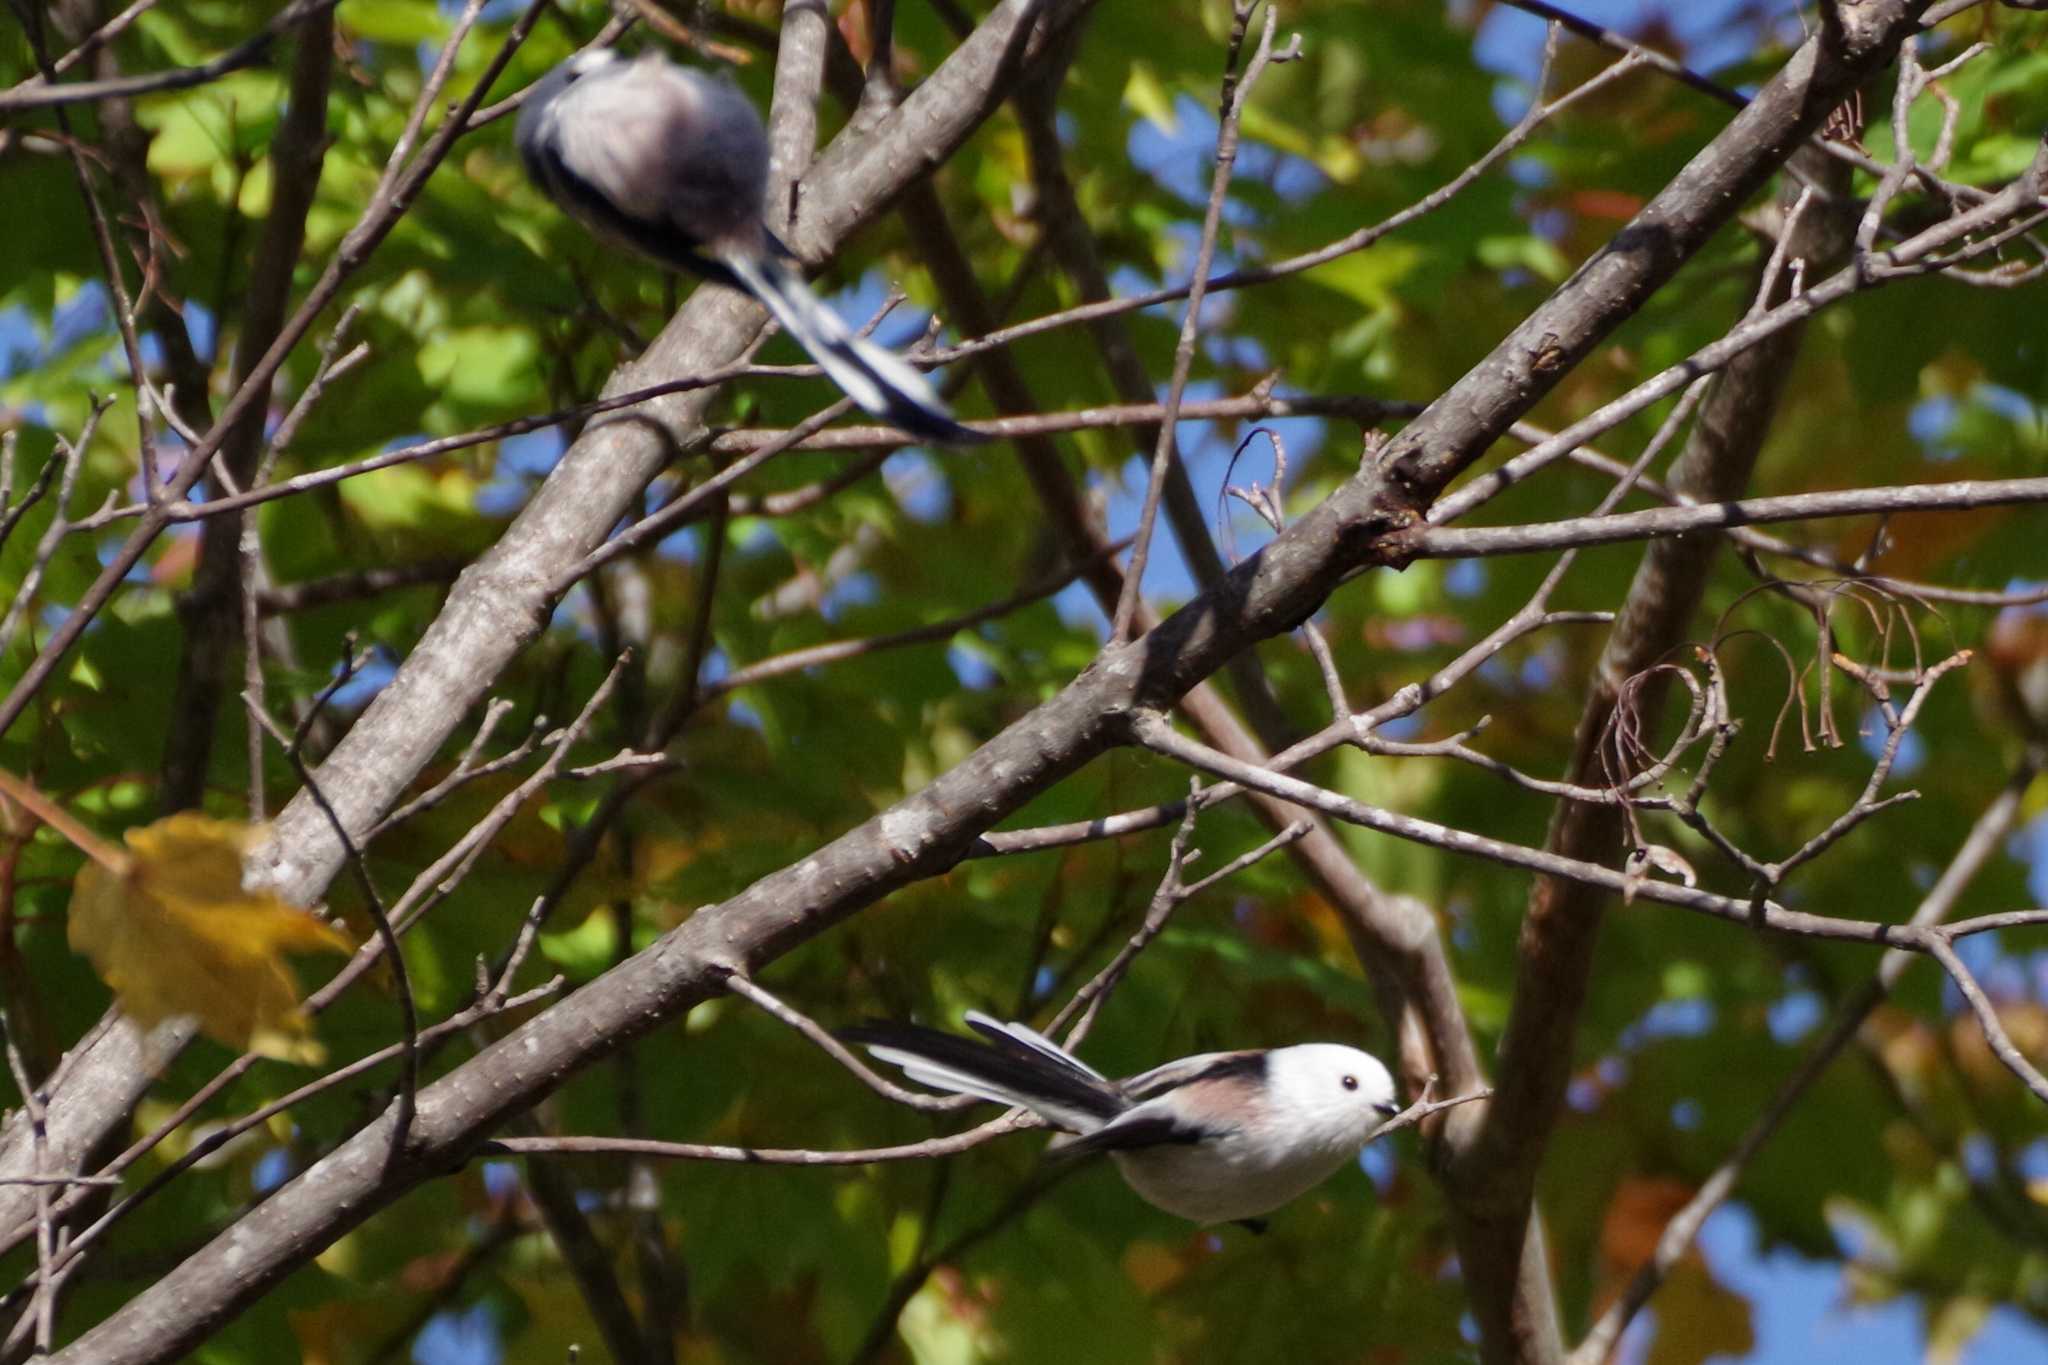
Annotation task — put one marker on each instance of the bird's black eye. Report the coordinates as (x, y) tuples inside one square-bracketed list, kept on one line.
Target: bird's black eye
[(1351, 1082)]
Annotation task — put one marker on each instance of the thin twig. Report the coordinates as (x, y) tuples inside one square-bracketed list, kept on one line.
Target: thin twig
[(1088, 1000), (46, 94), (1166, 898), (836, 651), (1919, 255), (1937, 946), (755, 1156), (45, 1307), (119, 302), (690, 677), (656, 525), (1344, 730), (352, 662), (822, 1037), (12, 512), (401, 980), (1449, 542), (1236, 91), (467, 767), (497, 1000), (282, 599), (91, 43), (1425, 1106), (441, 877), (743, 441), (70, 458)]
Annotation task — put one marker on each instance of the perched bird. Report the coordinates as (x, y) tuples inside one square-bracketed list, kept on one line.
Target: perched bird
[(674, 164), (1221, 1137)]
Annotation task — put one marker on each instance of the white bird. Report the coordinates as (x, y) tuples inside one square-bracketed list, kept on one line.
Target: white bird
[(1220, 1137), (674, 164)]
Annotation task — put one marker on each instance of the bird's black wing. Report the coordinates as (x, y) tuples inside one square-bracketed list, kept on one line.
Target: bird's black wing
[(1013, 1068), (1134, 1132), (1191, 1100)]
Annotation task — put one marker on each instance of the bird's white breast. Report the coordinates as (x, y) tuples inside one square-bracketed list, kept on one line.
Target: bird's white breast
[(1228, 1178)]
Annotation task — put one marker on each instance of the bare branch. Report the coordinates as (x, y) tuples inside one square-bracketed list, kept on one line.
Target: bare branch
[(45, 1306), (43, 95), (408, 1007), (1172, 894), (757, 1156), (1937, 946), (1155, 734), (1579, 532), (838, 1052)]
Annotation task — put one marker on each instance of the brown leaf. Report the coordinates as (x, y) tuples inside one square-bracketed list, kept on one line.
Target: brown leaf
[(1635, 1219)]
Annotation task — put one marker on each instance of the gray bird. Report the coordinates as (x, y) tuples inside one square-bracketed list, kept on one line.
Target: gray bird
[(674, 164), (1220, 1137)]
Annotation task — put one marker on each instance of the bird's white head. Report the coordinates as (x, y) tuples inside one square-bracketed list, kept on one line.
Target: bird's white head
[(1337, 1095)]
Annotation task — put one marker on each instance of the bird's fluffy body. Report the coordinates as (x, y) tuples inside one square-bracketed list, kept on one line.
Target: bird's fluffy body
[(673, 163), (1221, 1137), (651, 156)]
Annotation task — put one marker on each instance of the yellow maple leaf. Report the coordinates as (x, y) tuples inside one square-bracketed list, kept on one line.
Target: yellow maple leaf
[(169, 927)]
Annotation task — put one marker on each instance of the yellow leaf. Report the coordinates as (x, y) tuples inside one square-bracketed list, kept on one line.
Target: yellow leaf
[(172, 931)]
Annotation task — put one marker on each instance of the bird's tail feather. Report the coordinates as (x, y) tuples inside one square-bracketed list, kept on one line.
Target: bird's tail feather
[(1032, 1075), (874, 377), (1009, 1037)]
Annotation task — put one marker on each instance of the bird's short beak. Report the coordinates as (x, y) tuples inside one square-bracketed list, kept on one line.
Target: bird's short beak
[(1389, 1108)]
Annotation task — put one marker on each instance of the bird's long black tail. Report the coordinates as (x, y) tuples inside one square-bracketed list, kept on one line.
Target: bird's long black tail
[(873, 376), (1015, 1066)]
